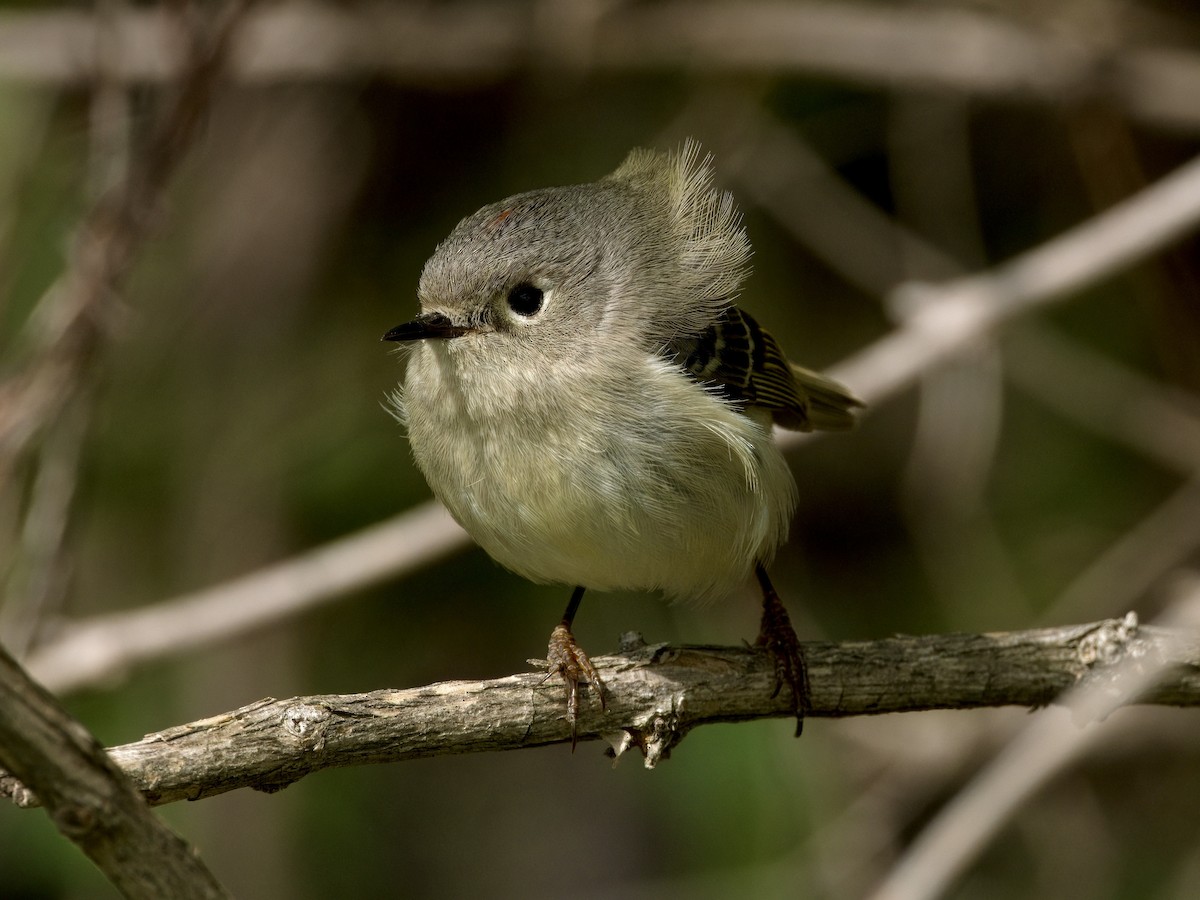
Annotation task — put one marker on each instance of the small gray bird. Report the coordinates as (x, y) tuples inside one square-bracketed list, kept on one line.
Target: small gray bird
[(591, 407)]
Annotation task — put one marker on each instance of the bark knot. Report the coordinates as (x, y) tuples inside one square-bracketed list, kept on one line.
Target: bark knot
[(307, 722)]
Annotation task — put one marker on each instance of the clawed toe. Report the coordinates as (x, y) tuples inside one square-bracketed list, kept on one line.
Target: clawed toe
[(565, 658), (777, 636)]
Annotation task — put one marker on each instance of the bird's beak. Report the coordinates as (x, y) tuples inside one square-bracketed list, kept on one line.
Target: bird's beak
[(426, 325)]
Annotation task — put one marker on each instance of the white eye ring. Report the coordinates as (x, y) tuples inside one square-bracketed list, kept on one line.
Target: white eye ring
[(526, 300)]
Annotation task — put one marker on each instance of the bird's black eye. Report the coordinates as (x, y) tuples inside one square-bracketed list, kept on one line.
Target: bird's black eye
[(525, 299)]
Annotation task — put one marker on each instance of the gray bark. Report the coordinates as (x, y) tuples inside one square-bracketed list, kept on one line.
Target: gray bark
[(655, 694), (88, 797)]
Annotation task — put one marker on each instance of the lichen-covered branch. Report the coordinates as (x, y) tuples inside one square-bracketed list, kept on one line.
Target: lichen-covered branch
[(655, 695)]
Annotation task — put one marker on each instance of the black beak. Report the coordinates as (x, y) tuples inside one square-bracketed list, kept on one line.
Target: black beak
[(426, 325)]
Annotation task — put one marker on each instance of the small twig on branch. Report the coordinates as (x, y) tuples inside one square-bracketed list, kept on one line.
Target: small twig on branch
[(655, 695), (90, 800)]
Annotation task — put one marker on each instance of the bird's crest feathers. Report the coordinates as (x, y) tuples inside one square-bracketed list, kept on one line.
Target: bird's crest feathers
[(703, 239)]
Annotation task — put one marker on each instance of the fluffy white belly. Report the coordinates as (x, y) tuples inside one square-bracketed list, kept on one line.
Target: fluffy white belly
[(652, 483)]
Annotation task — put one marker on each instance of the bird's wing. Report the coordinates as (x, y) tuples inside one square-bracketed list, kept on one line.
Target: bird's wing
[(745, 364)]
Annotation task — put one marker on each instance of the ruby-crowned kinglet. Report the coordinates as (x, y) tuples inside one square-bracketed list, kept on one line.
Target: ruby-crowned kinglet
[(588, 403)]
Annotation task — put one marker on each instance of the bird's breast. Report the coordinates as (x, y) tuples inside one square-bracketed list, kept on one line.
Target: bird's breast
[(629, 477)]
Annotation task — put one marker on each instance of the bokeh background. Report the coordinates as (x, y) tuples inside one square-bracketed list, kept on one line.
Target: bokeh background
[(235, 416)]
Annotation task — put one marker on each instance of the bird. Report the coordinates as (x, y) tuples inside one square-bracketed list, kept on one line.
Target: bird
[(588, 400)]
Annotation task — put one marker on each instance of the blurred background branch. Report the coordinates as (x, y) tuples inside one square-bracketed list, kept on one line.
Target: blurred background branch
[(77, 314), (105, 647), (1040, 751), (973, 51)]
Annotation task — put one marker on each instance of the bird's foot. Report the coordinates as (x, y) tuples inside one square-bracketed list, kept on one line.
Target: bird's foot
[(566, 658), (777, 636)]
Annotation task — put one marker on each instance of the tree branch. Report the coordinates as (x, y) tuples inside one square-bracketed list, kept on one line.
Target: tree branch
[(655, 695), (89, 799)]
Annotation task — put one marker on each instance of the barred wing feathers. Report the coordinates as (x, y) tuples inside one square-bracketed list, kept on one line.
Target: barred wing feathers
[(746, 365)]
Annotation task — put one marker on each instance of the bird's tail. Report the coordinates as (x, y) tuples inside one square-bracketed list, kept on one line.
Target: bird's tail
[(831, 405)]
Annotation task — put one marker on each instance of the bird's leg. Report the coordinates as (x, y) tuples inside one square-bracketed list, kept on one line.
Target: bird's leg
[(566, 658), (778, 638)]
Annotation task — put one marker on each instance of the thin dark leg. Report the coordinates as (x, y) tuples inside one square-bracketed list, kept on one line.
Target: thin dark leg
[(778, 637), (573, 606), (566, 658)]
